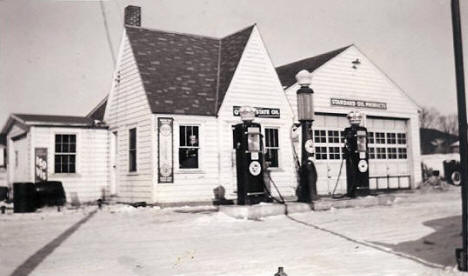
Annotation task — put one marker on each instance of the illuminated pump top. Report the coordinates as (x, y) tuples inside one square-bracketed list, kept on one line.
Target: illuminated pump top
[(247, 113), (355, 118)]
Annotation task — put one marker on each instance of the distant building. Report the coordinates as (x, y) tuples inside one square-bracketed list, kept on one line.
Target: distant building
[(435, 141)]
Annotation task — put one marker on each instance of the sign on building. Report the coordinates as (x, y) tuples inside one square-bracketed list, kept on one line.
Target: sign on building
[(165, 151), (40, 164), (358, 103), (260, 112)]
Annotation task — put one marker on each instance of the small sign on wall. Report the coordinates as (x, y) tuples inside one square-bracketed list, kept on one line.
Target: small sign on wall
[(260, 112), (358, 103), (165, 150), (40, 164)]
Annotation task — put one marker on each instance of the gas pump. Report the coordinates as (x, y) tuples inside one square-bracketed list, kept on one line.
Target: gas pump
[(357, 157), (249, 159)]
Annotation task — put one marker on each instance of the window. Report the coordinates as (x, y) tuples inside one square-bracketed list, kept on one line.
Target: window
[(320, 136), (333, 136), (2, 157), (65, 153), (272, 147), (391, 138), (401, 138), (392, 153), (380, 137), (188, 147), (370, 137), (371, 153), (16, 159), (334, 153), (402, 153), (321, 153), (132, 150), (381, 153)]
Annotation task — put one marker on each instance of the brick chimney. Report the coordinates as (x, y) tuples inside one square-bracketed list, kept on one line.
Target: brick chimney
[(133, 16)]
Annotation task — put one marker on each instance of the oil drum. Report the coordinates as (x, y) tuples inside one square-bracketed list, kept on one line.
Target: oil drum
[(24, 197)]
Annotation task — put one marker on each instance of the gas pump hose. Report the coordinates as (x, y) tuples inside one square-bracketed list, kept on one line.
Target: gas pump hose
[(337, 180)]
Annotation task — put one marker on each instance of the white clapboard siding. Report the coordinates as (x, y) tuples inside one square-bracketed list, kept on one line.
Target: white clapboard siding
[(128, 108), (255, 83), (190, 184), (18, 171), (91, 179), (337, 79)]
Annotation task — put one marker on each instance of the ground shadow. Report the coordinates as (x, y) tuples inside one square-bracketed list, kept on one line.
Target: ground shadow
[(438, 247), (32, 262)]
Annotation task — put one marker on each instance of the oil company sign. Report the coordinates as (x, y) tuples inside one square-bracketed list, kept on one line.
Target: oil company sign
[(165, 151), (40, 164), (260, 112), (358, 103)]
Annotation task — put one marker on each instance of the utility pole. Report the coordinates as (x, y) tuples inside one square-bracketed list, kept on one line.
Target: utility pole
[(461, 253)]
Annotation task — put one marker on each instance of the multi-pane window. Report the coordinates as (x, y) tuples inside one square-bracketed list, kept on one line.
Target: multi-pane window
[(189, 147), (381, 153), (380, 138), (401, 138), (333, 136), (65, 153), (392, 153), (272, 146), (321, 153), (371, 153), (334, 153), (402, 153), (320, 136), (132, 150), (370, 137), (391, 138)]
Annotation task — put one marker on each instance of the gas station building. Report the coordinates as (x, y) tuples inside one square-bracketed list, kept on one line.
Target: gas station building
[(166, 127)]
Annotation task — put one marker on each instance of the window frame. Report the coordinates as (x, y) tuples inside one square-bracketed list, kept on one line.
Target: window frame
[(198, 147), (131, 150), (75, 153), (277, 148)]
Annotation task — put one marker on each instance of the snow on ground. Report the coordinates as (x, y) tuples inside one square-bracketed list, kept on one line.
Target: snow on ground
[(415, 236)]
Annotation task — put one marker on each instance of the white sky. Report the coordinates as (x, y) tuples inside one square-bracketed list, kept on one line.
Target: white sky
[(55, 59)]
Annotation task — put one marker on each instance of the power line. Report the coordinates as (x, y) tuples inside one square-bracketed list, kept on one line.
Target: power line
[(106, 26)]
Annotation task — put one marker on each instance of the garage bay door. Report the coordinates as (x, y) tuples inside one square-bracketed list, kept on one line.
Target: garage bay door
[(388, 158)]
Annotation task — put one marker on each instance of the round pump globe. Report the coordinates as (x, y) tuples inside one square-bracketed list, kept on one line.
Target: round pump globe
[(247, 113), (304, 78), (355, 118)]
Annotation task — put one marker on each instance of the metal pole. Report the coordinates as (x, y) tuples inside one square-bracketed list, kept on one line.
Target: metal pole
[(461, 254)]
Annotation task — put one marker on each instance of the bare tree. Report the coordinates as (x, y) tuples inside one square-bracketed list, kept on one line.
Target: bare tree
[(428, 117), (448, 124)]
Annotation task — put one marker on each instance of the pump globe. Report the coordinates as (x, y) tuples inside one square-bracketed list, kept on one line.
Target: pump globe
[(304, 78), (247, 113)]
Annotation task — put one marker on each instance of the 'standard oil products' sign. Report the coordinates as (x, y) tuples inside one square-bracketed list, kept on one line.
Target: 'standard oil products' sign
[(40, 164), (358, 103), (260, 112), (165, 151)]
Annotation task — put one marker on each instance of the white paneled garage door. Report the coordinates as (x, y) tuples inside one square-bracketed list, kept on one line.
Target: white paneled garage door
[(388, 164)]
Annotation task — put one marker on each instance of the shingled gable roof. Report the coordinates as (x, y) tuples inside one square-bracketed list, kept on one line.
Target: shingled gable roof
[(183, 73), (287, 73), (27, 120)]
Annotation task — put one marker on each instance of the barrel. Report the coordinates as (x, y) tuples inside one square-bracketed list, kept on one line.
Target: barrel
[(24, 197), (50, 193), (3, 193)]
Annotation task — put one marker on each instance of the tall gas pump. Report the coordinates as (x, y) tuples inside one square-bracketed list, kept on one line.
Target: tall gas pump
[(249, 159), (357, 156)]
